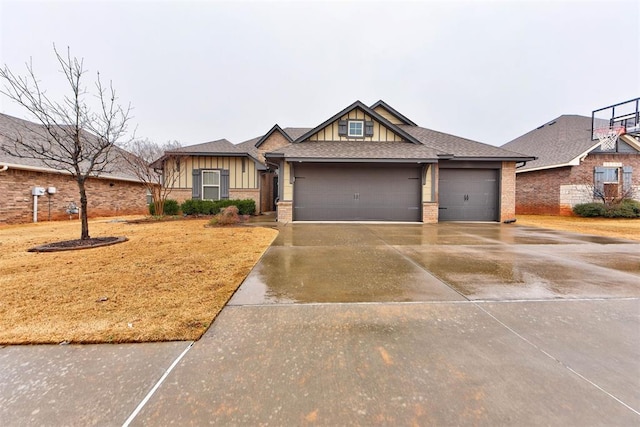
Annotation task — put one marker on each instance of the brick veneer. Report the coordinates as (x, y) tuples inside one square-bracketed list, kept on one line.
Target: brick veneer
[(539, 192), (105, 197), (429, 213), (508, 191), (285, 211)]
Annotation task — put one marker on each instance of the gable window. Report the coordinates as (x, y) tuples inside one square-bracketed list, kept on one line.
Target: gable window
[(211, 185), (355, 128)]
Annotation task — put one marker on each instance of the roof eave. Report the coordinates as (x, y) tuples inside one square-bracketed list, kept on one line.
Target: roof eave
[(393, 112), (356, 160), (369, 111), (493, 159), (65, 172), (275, 128)]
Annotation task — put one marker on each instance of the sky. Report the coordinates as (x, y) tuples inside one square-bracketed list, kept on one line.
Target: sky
[(200, 71)]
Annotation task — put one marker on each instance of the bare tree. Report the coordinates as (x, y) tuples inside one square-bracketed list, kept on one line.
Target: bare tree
[(71, 136), (157, 166)]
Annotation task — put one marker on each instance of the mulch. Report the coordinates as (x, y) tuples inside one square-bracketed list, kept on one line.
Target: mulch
[(72, 245)]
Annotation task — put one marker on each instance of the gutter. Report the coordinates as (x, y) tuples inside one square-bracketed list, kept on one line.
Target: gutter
[(4, 168)]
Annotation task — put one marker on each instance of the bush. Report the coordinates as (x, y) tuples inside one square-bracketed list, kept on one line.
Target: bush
[(209, 207), (227, 216), (589, 209), (625, 209), (171, 207)]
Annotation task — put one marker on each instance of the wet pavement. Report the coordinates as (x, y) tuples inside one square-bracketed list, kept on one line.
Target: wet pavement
[(353, 263), (376, 324)]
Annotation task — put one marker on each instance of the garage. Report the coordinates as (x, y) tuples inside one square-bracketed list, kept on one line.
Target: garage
[(468, 194), (357, 192)]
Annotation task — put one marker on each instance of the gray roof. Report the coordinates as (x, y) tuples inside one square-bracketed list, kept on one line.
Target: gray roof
[(558, 143), (461, 148), (13, 127), (212, 147), (357, 151)]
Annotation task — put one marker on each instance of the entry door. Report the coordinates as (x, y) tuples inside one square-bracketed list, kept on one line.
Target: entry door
[(468, 195)]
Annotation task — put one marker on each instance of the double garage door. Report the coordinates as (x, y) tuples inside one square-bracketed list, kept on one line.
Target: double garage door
[(357, 192), (385, 192)]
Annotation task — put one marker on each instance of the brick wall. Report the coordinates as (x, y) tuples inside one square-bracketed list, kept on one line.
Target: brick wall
[(508, 191), (276, 140), (556, 191), (429, 213), (285, 212), (105, 197)]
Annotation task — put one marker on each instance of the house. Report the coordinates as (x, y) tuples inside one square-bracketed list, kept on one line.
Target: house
[(114, 193), (364, 163), (572, 166)]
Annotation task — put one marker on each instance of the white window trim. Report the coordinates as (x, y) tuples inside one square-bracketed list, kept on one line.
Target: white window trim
[(209, 185), (349, 134)]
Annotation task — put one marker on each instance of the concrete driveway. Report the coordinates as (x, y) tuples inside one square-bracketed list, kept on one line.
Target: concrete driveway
[(365, 324)]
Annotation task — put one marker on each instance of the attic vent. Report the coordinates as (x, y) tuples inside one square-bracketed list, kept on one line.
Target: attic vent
[(552, 123)]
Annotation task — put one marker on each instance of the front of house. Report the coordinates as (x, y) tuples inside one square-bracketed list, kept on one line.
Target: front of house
[(365, 163)]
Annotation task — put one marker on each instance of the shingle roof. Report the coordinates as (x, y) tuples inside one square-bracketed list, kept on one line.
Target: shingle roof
[(356, 151), (295, 133), (218, 146), (460, 148), (557, 143), (12, 127)]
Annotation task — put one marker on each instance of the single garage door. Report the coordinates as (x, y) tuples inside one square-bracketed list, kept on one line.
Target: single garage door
[(468, 195), (356, 192)]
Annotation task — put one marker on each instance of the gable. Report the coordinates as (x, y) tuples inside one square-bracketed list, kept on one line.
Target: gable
[(330, 132), (387, 115)]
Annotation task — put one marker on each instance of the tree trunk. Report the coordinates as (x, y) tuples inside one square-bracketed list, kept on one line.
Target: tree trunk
[(157, 201), (83, 209)]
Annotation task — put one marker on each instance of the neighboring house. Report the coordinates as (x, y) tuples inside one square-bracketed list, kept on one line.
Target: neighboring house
[(571, 167), (362, 164), (116, 193)]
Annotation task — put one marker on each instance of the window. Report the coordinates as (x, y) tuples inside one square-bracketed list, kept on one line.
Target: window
[(355, 128), (211, 185), (610, 175)]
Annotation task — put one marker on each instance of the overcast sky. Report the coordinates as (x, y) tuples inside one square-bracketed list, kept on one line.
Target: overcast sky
[(200, 71)]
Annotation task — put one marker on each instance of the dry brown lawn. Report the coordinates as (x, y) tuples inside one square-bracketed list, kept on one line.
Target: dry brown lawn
[(168, 282), (621, 228)]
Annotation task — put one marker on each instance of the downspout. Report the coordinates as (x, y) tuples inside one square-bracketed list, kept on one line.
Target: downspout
[(4, 168)]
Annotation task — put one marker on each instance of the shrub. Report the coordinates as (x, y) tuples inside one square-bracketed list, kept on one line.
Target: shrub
[(227, 216), (209, 207), (589, 209), (171, 207), (625, 209)]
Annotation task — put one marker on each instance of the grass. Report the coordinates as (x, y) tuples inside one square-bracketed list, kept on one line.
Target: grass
[(168, 282), (620, 228)]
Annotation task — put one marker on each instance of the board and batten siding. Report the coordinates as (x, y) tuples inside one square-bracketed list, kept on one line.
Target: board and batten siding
[(387, 115), (380, 132), (240, 177)]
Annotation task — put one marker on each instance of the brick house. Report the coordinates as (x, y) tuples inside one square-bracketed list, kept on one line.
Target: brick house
[(571, 166), (365, 163), (115, 193)]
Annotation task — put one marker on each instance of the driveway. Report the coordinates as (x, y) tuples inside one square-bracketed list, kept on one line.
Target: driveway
[(365, 324)]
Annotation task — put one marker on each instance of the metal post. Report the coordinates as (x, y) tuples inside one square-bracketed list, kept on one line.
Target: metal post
[(35, 208)]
